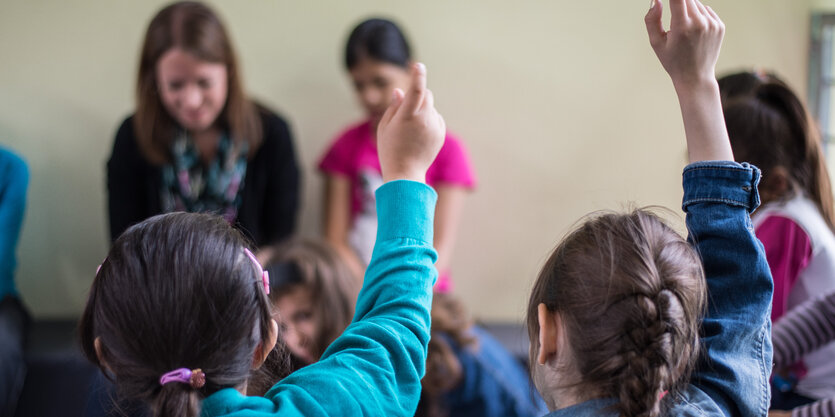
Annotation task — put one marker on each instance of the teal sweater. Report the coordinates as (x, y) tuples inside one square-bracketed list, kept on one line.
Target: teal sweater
[(375, 367)]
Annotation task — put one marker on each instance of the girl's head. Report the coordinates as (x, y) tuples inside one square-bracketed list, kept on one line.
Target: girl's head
[(770, 128), (614, 313), (378, 58), (314, 293), (178, 291), (189, 78), (739, 84)]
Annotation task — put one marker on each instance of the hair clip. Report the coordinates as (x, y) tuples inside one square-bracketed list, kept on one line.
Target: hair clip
[(265, 276), (196, 378)]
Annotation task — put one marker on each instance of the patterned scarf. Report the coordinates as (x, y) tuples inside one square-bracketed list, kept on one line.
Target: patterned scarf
[(192, 186)]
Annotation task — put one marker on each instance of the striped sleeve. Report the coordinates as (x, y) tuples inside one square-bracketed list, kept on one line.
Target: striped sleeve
[(804, 329), (822, 408)]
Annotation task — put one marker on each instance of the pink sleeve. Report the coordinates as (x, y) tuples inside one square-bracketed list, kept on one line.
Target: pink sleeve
[(788, 251), (338, 159), (452, 166)]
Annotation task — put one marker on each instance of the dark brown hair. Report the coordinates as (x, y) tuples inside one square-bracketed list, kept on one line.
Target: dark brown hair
[(629, 292), (196, 29), (770, 128), (176, 291), (450, 323)]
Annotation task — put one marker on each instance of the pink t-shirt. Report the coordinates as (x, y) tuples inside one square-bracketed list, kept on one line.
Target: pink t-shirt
[(353, 154)]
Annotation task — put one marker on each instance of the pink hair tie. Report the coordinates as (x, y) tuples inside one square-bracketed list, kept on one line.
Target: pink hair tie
[(265, 276), (196, 378)]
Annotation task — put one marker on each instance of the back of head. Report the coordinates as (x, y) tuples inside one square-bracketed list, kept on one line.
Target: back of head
[(629, 292), (771, 129), (739, 84), (379, 40), (196, 29), (176, 291)]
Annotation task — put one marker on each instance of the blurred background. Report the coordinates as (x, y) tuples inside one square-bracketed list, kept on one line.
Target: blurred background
[(562, 105)]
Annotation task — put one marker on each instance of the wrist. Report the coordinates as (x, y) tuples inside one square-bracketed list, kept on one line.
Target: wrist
[(417, 176), (696, 86)]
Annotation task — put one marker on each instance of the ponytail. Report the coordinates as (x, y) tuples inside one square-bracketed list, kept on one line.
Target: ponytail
[(176, 400)]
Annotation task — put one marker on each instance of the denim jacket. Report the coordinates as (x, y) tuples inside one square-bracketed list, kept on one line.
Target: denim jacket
[(731, 377)]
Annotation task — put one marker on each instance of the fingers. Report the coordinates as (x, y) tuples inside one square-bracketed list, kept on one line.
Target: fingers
[(655, 27), (414, 98), (678, 13), (396, 101), (428, 101)]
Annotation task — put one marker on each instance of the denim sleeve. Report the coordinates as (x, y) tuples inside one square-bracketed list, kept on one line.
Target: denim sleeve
[(736, 348)]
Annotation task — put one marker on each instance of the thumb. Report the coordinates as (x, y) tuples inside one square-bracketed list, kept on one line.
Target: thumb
[(655, 27)]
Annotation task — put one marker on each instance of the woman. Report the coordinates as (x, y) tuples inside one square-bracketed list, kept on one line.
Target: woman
[(197, 143), (378, 59)]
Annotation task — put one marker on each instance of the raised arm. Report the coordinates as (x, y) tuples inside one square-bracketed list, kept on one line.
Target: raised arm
[(375, 367), (719, 194)]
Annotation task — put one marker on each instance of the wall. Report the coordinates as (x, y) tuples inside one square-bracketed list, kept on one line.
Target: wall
[(562, 104)]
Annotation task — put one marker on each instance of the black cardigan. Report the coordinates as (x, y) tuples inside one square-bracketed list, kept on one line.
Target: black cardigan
[(270, 196)]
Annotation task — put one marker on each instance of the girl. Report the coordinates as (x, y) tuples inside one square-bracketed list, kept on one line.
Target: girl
[(197, 143), (378, 59), (770, 127), (313, 293), (178, 314), (468, 372), (615, 316)]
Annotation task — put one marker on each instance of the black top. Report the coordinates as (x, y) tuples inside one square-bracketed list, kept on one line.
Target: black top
[(269, 200)]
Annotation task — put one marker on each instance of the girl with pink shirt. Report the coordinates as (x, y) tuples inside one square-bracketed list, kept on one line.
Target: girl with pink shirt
[(769, 127), (378, 59)]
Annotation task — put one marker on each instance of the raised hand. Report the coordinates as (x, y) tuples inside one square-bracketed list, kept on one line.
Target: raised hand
[(411, 132), (688, 52), (690, 49)]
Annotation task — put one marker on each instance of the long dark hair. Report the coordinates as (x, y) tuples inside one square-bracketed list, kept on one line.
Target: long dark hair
[(770, 128), (380, 40), (176, 291), (196, 29), (629, 292)]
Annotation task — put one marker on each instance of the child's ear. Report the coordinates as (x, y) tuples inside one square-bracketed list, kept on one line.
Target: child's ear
[(263, 351), (549, 332)]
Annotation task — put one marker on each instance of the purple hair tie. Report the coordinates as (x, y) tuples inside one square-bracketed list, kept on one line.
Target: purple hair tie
[(196, 378)]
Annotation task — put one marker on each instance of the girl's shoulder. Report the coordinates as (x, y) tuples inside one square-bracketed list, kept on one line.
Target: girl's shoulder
[(799, 209)]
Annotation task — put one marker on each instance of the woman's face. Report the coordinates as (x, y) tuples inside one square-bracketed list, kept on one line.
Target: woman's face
[(375, 81), (297, 318), (193, 91)]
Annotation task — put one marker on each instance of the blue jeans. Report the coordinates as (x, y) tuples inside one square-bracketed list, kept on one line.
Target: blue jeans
[(14, 322)]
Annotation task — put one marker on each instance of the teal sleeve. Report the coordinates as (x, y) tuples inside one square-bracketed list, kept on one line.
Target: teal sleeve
[(14, 179), (374, 368)]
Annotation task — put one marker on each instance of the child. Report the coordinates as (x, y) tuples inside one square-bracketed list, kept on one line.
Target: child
[(378, 58), (468, 372), (770, 127), (178, 314), (806, 328), (313, 293), (615, 317)]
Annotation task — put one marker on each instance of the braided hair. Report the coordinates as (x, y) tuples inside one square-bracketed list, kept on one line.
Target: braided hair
[(629, 292)]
